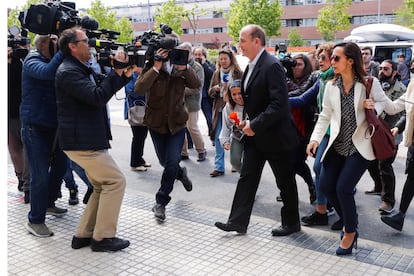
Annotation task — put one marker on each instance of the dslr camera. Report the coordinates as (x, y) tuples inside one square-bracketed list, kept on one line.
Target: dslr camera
[(17, 39), (52, 18)]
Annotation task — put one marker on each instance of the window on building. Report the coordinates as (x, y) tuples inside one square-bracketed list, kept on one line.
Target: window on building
[(218, 30), (293, 22), (185, 31)]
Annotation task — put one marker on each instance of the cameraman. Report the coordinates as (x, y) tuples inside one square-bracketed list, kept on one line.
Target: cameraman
[(166, 117), (84, 135), (39, 125)]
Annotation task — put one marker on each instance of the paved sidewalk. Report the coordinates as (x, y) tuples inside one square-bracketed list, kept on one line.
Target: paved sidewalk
[(187, 243)]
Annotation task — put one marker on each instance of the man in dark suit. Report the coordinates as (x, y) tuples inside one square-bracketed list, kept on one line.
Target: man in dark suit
[(271, 136)]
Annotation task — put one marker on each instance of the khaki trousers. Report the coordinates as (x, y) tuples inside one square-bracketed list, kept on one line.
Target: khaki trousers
[(192, 126), (100, 218)]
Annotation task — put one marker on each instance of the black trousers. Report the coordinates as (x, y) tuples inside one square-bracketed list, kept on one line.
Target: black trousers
[(383, 175), (281, 164), (408, 189)]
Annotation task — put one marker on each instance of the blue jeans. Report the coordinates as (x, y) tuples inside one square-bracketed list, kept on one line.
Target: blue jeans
[(168, 148), (47, 169), (339, 176), (219, 157), (69, 179), (320, 196)]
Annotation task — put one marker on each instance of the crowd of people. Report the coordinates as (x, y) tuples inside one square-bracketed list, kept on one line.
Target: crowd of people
[(262, 112)]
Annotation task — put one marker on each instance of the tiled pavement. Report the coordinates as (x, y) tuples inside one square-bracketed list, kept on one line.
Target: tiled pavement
[(187, 243)]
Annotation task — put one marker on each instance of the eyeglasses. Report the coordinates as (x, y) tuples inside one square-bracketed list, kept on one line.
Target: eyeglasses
[(384, 68), (335, 58), (322, 57), (86, 40)]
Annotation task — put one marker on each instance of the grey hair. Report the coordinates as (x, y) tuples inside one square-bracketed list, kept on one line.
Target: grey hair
[(39, 39), (186, 45)]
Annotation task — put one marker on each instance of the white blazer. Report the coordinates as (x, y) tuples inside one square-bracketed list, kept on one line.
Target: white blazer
[(331, 116), (406, 101)]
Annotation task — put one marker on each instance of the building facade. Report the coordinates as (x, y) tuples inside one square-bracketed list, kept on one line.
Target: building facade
[(297, 14)]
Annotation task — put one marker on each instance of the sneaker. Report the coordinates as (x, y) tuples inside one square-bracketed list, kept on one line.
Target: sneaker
[(147, 165), (233, 170), (184, 157), (38, 229), (159, 211), (385, 208), (330, 211), (56, 211), (87, 195), (279, 198), (78, 243), (315, 219), (109, 244), (141, 168), (337, 225), (396, 221), (216, 173), (73, 197), (202, 156), (188, 185)]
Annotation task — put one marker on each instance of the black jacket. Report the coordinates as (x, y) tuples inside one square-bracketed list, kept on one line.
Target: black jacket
[(266, 103), (83, 122)]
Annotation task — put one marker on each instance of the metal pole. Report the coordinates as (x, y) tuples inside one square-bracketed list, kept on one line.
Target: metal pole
[(149, 16), (379, 11)]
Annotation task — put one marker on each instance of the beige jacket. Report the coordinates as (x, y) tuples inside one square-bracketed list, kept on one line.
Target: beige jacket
[(406, 101), (331, 116)]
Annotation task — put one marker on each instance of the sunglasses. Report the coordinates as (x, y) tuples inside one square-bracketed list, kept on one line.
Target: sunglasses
[(335, 58), (322, 57)]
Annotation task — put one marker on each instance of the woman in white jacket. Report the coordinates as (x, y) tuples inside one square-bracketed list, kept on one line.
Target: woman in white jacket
[(348, 152)]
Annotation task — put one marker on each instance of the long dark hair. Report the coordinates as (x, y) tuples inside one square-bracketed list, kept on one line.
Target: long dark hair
[(352, 51)]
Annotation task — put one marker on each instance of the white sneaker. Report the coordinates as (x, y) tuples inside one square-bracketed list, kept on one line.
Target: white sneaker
[(38, 229)]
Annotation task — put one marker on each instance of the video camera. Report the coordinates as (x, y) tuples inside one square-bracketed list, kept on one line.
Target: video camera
[(140, 50), (152, 41), (52, 18), (16, 40)]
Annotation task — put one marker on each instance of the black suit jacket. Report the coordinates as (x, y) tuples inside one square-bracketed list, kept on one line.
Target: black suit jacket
[(266, 104)]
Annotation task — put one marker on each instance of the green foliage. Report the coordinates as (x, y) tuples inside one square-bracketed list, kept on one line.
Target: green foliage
[(260, 12), (332, 18), (212, 55), (405, 14), (295, 38), (192, 16), (172, 14)]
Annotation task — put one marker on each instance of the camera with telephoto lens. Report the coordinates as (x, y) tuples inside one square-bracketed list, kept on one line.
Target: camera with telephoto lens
[(51, 18), (288, 62), (17, 40)]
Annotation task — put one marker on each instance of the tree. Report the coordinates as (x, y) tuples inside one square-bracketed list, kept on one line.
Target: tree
[(193, 16), (13, 16), (295, 38), (172, 14), (260, 12), (405, 14), (332, 18)]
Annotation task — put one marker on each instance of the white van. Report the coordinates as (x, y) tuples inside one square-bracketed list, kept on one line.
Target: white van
[(386, 40)]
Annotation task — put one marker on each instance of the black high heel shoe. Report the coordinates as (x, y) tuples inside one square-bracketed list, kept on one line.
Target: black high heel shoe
[(347, 251)]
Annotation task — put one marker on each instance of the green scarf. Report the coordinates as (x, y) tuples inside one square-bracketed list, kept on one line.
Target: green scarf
[(324, 77)]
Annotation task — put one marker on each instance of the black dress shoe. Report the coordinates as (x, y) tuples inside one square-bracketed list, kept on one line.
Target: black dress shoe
[(285, 230), (80, 242), (109, 244), (228, 227)]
